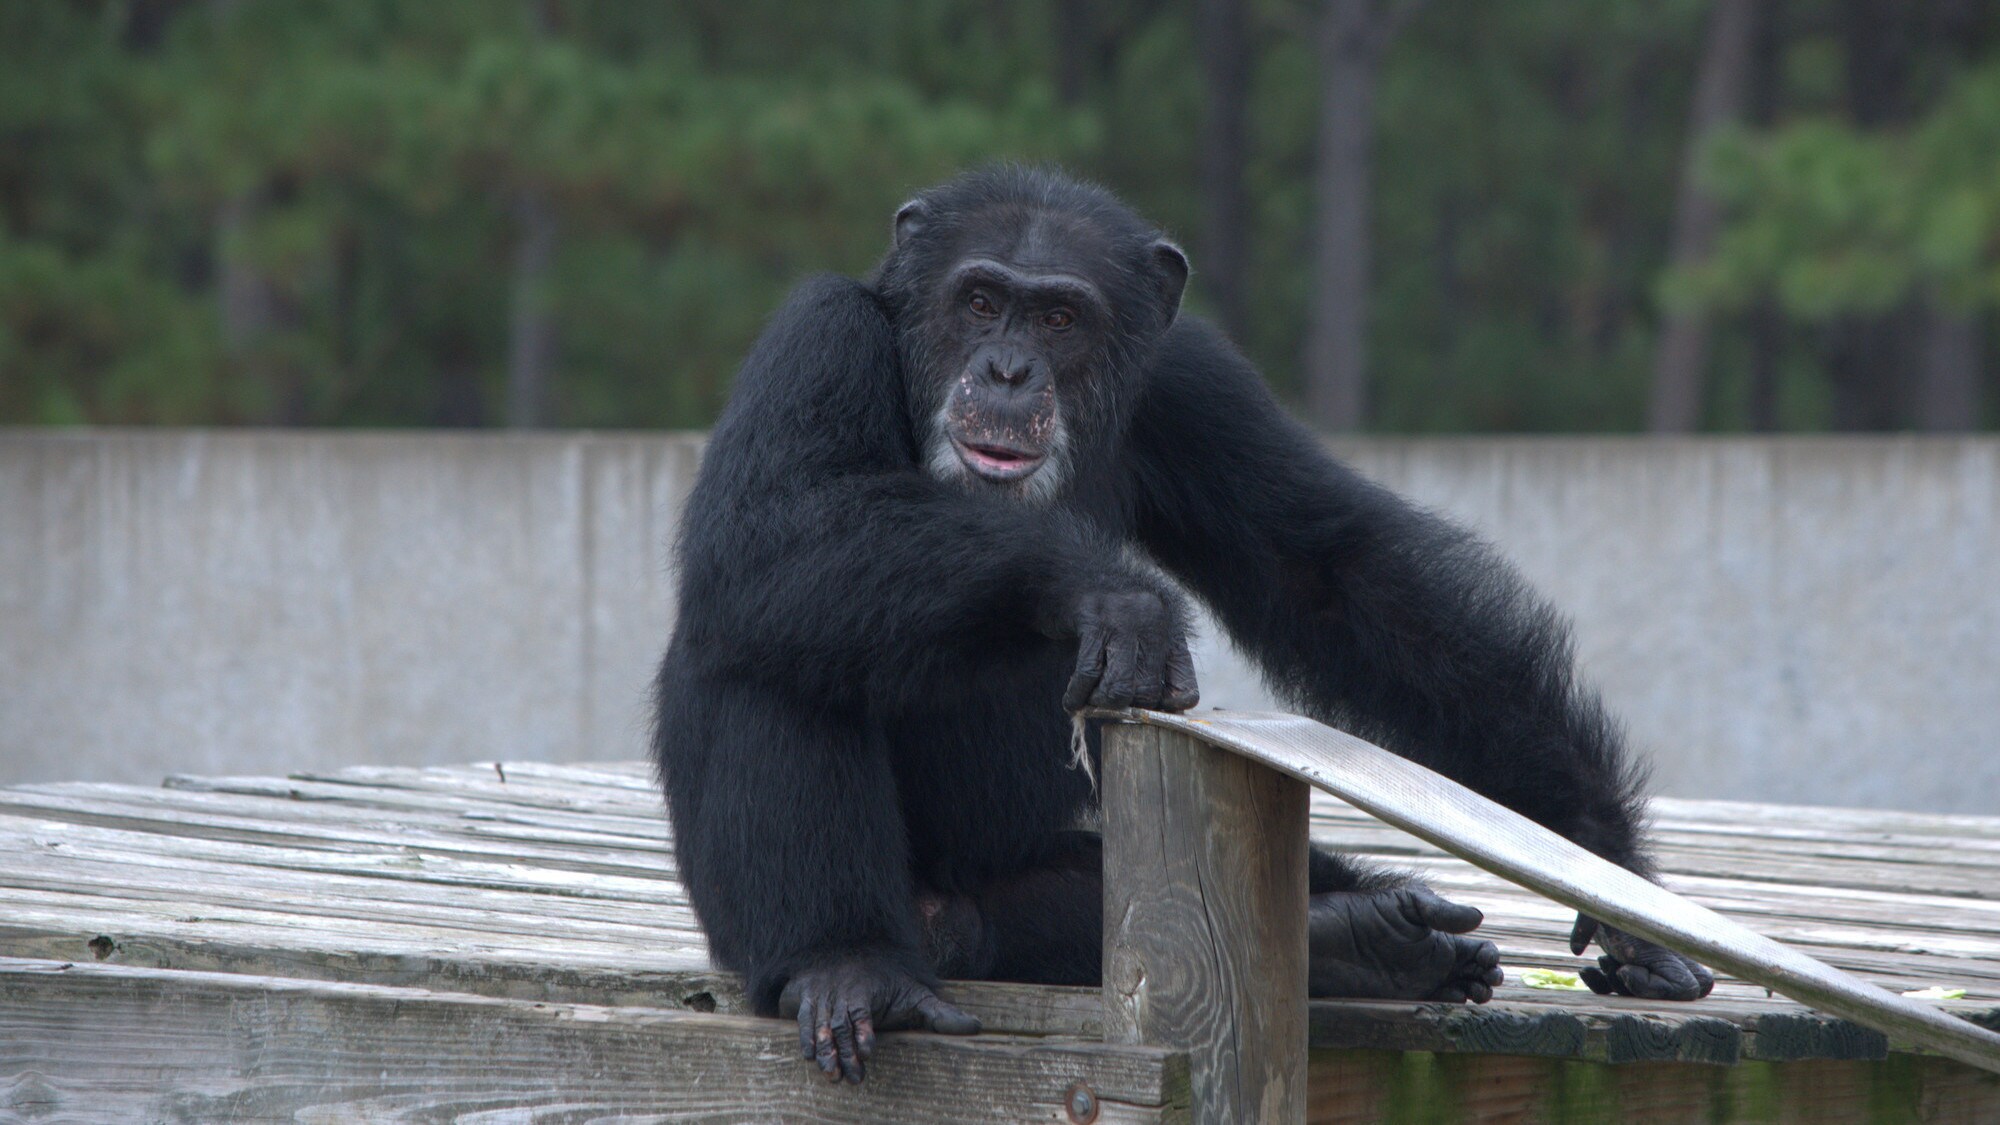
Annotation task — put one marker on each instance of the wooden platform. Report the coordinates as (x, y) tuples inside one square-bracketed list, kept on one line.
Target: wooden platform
[(379, 943)]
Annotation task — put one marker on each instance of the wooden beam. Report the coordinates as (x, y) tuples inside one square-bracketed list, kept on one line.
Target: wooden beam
[(1508, 844), (1366, 1087), (110, 1043), (1205, 919)]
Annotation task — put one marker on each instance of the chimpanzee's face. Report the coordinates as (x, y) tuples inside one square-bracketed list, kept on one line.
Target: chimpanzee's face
[(1027, 333), (1026, 326)]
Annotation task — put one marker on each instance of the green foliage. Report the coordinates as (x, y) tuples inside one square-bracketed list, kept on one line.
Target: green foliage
[(1834, 220), (374, 154), (358, 169)]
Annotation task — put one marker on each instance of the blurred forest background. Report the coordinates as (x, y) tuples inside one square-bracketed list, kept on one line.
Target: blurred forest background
[(1453, 215)]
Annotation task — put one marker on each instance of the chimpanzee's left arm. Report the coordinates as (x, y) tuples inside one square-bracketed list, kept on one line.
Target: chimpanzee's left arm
[(1366, 611)]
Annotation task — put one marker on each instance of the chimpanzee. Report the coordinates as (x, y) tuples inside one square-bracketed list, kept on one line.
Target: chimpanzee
[(938, 517)]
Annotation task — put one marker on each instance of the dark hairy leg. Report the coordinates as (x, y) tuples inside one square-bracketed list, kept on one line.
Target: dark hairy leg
[(1371, 934), (1042, 925)]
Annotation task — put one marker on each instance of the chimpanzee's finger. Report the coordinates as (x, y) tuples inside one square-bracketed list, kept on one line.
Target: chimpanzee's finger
[(1653, 971), (1090, 665), (1581, 934), (1605, 979), (1182, 691), (1121, 657), (1149, 675), (843, 1045), (824, 1051), (1427, 908), (1660, 978), (808, 1023), (946, 1018)]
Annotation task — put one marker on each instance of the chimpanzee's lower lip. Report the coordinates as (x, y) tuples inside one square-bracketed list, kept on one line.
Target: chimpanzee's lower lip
[(997, 462)]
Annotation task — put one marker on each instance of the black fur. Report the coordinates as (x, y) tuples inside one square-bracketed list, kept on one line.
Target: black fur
[(859, 715)]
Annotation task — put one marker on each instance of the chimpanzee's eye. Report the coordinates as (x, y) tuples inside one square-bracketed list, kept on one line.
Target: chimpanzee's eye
[(982, 305), (1058, 319)]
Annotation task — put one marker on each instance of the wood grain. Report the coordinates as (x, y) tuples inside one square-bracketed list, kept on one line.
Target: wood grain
[(1205, 919), (1369, 1087), (88, 1042)]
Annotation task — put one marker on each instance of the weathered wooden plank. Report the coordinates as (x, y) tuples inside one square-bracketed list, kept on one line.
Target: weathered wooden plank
[(1959, 871), (200, 887), (93, 1042), (1926, 920), (69, 841), (1962, 867), (469, 820), (1694, 820), (1364, 1087), (1963, 926), (1205, 919), (1492, 836), (1928, 926), (1520, 1021), (1672, 810), (1923, 925), (354, 829), (542, 808), (300, 824), (1897, 923)]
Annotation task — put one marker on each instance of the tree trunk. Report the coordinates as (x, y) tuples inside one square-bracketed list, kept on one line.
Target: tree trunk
[(1075, 28), (1947, 391), (247, 304), (1767, 342), (1766, 319), (532, 335), (252, 310), (1722, 86), (1353, 35), (1871, 364), (255, 315), (1874, 355), (1225, 62), (1946, 396)]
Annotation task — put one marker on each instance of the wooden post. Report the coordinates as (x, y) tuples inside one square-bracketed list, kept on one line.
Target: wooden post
[(1205, 918)]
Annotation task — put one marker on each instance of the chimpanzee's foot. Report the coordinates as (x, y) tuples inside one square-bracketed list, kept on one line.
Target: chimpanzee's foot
[(1401, 943)]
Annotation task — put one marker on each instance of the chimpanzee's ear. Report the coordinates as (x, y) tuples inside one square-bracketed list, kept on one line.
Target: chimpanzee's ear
[(1172, 266), (910, 219)]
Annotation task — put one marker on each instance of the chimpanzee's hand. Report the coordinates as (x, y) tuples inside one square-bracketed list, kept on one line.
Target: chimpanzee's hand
[(1131, 652), (840, 1007), (1635, 967)]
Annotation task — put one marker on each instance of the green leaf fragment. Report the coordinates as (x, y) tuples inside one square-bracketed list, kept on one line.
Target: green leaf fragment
[(1551, 978)]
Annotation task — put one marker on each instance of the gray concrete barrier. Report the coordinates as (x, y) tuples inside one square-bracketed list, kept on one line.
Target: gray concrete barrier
[(1791, 619)]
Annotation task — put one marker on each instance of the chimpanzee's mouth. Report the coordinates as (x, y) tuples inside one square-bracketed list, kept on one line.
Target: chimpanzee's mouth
[(997, 462)]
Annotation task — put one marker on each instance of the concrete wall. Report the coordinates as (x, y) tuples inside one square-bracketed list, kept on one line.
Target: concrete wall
[(1800, 620)]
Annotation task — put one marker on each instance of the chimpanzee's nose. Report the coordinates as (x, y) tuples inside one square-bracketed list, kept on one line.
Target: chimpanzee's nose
[(1010, 370)]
